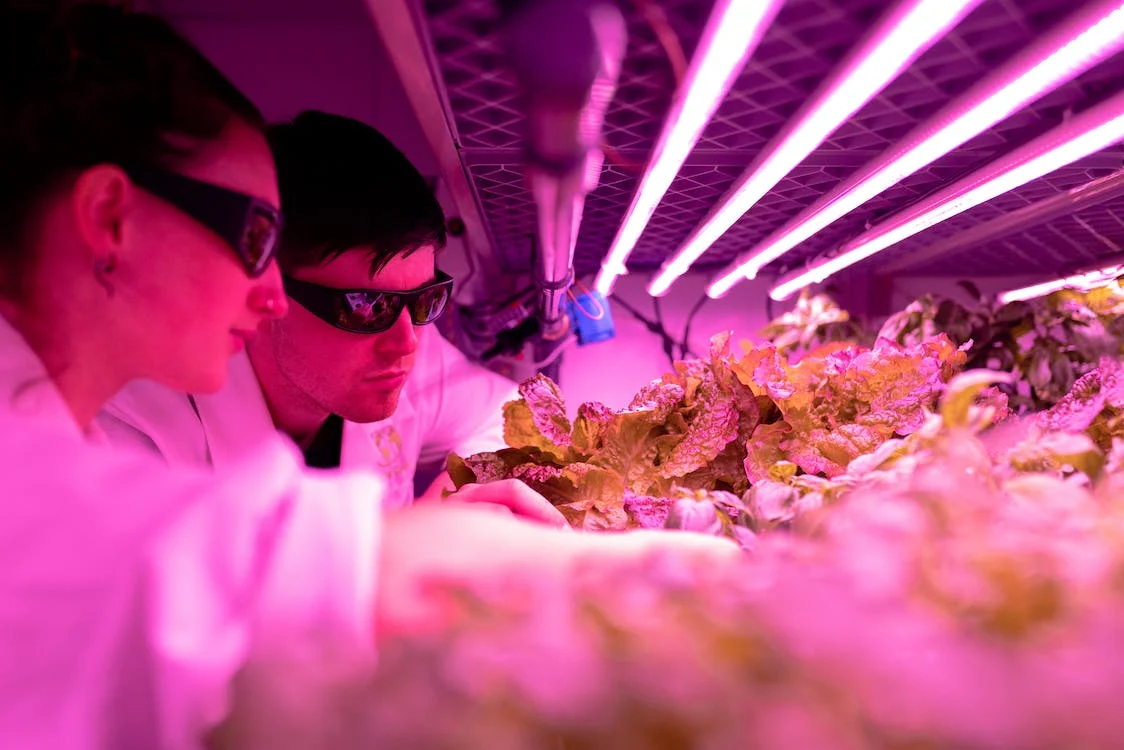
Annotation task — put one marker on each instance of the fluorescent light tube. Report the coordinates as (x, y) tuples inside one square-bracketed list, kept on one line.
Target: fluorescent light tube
[(1083, 40), (899, 38), (732, 32)]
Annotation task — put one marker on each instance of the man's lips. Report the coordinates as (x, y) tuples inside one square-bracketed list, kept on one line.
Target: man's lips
[(388, 376)]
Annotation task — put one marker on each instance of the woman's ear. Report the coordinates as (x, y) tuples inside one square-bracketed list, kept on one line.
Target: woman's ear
[(102, 200)]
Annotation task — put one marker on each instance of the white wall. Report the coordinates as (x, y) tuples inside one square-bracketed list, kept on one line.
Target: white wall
[(612, 371), (325, 55)]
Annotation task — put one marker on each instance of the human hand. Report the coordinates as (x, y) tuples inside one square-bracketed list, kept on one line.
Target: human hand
[(427, 544), (513, 496)]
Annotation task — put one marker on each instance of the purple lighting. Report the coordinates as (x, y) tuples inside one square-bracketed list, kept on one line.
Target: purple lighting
[(902, 35), (732, 33), (1082, 41)]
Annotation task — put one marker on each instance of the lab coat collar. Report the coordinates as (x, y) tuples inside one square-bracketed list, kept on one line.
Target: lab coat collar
[(26, 390), (235, 420)]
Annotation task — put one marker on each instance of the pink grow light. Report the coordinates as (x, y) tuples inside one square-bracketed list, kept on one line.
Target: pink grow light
[(900, 38), (1100, 277), (732, 32), (1085, 39), (1085, 134)]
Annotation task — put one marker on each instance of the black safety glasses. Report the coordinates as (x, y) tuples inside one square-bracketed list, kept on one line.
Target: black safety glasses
[(371, 311), (249, 225)]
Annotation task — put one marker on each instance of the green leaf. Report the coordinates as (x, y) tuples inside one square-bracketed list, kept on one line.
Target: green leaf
[(972, 290), (590, 497), (520, 431), (548, 409), (712, 426), (488, 467), (659, 397), (725, 472), (1014, 313), (646, 511), (589, 427), (839, 447), (782, 471), (629, 449), (1059, 451), (458, 471), (764, 450), (692, 514), (960, 396), (1062, 375)]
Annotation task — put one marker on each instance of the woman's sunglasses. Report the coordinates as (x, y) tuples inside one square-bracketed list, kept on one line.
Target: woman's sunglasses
[(370, 311), (249, 225)]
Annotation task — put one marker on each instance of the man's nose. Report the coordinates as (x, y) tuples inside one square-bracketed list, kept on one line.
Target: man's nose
[(400, 338)]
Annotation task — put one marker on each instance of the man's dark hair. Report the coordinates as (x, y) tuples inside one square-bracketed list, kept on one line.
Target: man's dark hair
[(343, 186)]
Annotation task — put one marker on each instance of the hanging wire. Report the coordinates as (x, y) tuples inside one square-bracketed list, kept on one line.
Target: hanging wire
[(655, 326), (685, 346)]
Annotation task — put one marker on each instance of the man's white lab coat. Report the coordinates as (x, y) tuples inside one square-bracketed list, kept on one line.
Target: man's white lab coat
[(448, 405), (130, 592)]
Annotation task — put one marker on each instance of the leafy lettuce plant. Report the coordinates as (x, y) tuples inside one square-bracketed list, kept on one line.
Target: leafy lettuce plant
[(815, 320), (1046, 343), (712, 428)]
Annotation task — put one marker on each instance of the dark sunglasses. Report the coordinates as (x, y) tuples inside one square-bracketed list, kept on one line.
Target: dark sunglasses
[(249, 225), (371, 311)]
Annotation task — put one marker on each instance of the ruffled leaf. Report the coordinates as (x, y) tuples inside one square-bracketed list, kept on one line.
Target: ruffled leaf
[(589, 427), (548, 409)]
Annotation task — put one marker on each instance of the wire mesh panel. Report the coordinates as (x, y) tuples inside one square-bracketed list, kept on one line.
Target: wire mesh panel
[(805, 43)]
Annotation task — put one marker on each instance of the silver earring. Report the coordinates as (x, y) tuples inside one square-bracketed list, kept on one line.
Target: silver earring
[(102, 269)]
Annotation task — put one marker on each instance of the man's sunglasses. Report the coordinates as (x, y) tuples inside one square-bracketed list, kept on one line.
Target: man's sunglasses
[(249, 225), (370, 311)]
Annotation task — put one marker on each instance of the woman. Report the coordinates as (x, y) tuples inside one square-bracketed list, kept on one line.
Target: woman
[(138, 217)]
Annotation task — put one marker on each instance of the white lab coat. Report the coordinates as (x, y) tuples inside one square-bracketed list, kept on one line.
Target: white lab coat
[(130, 592), (448, 405)]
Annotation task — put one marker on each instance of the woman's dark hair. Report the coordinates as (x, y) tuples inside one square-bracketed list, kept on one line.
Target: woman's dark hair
[(344, 185), (92, 84)]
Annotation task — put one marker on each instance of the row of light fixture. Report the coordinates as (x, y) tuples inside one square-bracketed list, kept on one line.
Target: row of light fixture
[(735, 27)]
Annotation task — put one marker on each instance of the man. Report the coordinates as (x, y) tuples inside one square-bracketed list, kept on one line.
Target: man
[(352, 374)]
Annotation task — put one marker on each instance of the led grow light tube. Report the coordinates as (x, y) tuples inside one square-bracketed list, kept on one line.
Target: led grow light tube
[(732, 32), (1081, 41), (1084, 134), (899, 38), (1079, 281), (1076, 199)]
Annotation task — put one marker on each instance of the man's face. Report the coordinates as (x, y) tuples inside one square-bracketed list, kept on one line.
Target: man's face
[(357, 376)]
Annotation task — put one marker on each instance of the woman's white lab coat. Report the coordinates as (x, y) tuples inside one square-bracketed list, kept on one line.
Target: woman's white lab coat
[(130, 592), (447, 405)]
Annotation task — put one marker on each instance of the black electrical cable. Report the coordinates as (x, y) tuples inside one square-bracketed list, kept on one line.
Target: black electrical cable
[(669, 344), (685, 348), (633, 311), (652, 325)]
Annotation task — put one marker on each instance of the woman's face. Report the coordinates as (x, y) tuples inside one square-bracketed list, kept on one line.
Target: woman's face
[(191, 303)]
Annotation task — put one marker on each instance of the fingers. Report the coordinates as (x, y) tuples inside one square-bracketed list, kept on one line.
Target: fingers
[(718, 550), (517, 497), (437, 488), (495, 508)]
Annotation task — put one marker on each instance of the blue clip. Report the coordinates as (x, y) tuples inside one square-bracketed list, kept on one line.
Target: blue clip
[(591, 318)]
